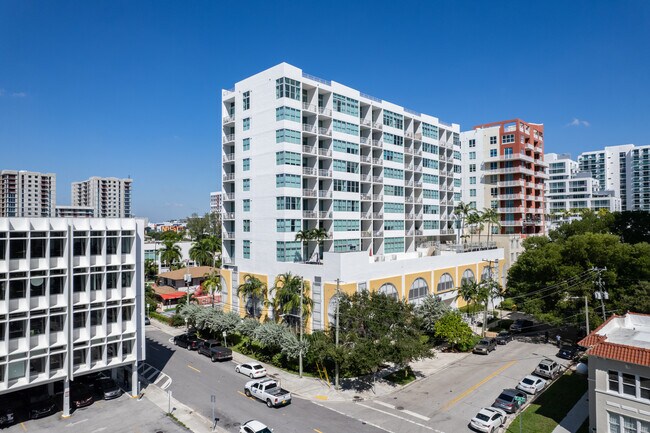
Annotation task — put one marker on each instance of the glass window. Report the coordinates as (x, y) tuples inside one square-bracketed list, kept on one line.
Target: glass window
[(288, 113), (468, 277), (37, 248), (247, 226), (246, 184), (288, 225), (247, 249), (472, 143), (56, 247), (345, 127), (612, 381), (18, 248), (290, 251), (286, 180), (288, 203), (246, 164), (346, 245), (389, 290), (393, 245), (246, 100), (393, 119), (346, 147), (246, 144), (446, 282), (287, 136), (288, 158), (246, 123), (287, 88), (343, 104), (247, 204), (493, 153), (418, 291), (430, 131), (493, 140)]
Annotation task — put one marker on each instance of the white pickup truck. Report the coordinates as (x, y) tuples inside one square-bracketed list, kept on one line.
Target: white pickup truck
[(269, 391)]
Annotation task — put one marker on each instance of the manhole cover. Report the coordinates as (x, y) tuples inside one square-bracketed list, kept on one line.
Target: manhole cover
[(399, 407), (159, 431), (357, 398)]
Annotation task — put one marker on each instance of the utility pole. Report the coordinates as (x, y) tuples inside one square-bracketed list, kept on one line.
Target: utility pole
[(587, 314), (487, 300), (601, 293), (188, 280), (302, 288), (336, 337)]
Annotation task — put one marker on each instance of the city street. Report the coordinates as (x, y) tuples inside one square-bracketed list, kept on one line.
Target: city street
[(446, 401), (195, 378)]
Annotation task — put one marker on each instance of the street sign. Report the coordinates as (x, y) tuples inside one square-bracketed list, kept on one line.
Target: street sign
[(520, 400), (224, 334), (213, 398)]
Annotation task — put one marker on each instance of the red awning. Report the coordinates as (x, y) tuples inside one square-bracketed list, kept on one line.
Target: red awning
[(169, 296)]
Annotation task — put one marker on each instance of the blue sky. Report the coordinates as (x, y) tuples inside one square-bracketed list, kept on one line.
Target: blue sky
[(132, 88)]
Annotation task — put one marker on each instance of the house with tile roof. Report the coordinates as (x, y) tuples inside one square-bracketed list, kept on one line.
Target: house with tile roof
[(619, 374)]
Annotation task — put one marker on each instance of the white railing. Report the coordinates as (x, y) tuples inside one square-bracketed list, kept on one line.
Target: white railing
[(377, 143), (377, 178), (228, 176), (324, 152), (366, 158), (364, 140), (377, 125), (325, 111), (309, 171), (366, 197), (324, 173), (228, 119), (230, 196), (228, 157), (377, 215), (308, 149), (325, 131), (309, 193), (377, 197), (324, 215), (378, 233), (308, 107), (228, 138), (308, 128), (377, 161), (309, 214), (324, 193), (365, 122), (228, 215)]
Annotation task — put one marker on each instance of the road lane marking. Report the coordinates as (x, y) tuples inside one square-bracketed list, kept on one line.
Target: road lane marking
[(317, 431), (75, 423), (99, 429), (478, 385), (195, 369), (400, 417), (351, 417), (408, 412), (23, 426)]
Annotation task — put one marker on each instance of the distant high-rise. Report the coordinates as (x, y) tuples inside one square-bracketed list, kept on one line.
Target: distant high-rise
[(215, 202), (109, 197), (27, 193)]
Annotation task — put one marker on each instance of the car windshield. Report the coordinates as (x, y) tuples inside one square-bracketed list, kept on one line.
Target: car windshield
[(482, 417), (506, 397), (484, 342), (264, 430), (258, 367), (527, 381)]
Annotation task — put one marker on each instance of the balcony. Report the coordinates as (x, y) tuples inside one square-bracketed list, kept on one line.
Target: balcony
[(519, 196), (517, 209), (227, 235), (408, 151), (377, 197), (324, 215), (325, 173), (324, 193), (366, 178), (309, 149), (325, 111), (366, 158), (364, 140), (511, 223), (378, 179), (377, 143), (229, 177), (309, 107), (419, 232), (410, 216), (366, 197), (325, 131), (309, 214), (366, 234), (229, 119), (365, 122), (409, 199), (378, 161), (377, 125), (228, 157), (324, 152), (378, 233), (306, 127), (228, 138), (308, 171), (378, 215), (308, 193), (367, 215), (409, 183), (229, 196), (506, 183)]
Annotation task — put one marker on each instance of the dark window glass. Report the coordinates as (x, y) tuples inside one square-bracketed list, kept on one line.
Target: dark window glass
[(37, 365), (3, 249), (17, 329), (37, 326), (95, 246), (56, 362), (79, 320), (126, 313), (111, 315), (127, 347), (111, 280), (111, 350), (56, 323), (38, 248), (111, 246), (56, 247), (96, 317), (96, 353), (644, 384), (80, 246), (56, 285), (127, 277), (629, 384), (96, 281), (18, 249), (37, 287), (3, 290), (79, 357), (79, 283), (17, 289), (127, 243)]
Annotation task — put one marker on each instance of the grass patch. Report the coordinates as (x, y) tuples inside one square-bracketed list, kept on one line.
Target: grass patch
[(177, 421), (545, 413), (401, 377)]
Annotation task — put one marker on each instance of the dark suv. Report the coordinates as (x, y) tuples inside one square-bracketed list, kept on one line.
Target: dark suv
[(521, 325), (485, 346), (510, 400), (189, 341)]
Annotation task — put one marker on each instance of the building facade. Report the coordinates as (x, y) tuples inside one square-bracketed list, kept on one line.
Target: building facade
[(569, 189), (74, 212), (109, 197), (215, 202), (619, 375), (504, 169), (71, 299), (301, 153), (608, 166), (27, 194), (637, 176)]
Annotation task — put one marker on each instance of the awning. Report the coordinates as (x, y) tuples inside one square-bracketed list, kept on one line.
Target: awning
[(170, 296)]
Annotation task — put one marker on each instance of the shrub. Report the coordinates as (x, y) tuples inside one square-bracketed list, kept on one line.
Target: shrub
[(508, 304)]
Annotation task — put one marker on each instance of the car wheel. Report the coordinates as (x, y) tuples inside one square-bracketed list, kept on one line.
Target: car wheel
[(268, 403), (188, 347), (250, 375), (214, 359), (236, 369), (247, 392)]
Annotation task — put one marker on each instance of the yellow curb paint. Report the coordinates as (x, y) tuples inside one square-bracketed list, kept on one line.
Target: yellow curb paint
[(321, 397), (23, 426), (195, 369), (473, 388), (317, 431), (245, 395)]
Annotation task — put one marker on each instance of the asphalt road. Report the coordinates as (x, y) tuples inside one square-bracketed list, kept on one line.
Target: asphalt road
[(195, 378), (446, 401)]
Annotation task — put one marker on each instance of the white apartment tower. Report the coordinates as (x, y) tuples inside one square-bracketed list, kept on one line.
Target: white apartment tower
[(109, 197), (570, 189), (27, 194), (215, 202), (71, 299), (300, 152)]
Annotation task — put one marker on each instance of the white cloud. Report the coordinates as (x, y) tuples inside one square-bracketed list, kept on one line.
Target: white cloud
[(19, 94), (174, 204), (578, 122), (2, 92)]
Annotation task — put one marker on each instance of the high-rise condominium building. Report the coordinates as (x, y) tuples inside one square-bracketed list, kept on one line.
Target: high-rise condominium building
[(71, 300), (569, 189), (109, 197), (215, 202), (378, 180), (504, 169), (27, 194), (75, 212), (624, 169)]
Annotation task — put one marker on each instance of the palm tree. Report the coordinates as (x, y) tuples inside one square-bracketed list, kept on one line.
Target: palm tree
[(480, 226), (469, 291), (202, 252), (462, 210), (305, 236), (286, 298), (491, 216), (472, 220), (150, 269), (319, 234), (170, 253), (212, 282), (254, 292)]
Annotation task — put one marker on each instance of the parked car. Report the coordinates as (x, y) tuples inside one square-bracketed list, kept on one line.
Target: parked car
[(503, 337), (531, 384), (7, 416), (253, 426), (510, 400), (189, 341), (488, 419), (41, 405), (485, 346), (569, 352), (251, 369), (214, 350), (107, 388), (147, 321), (81, 395), (521, 325), (547, 368), (269, 391)]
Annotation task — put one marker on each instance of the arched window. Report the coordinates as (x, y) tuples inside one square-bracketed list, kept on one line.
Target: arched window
[(389, 290), (485, 274), (468, 277), (445, 282), (419, 289)]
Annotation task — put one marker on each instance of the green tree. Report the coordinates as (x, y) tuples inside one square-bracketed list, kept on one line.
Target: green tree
[(255, 293), (150, 298), (286, 299), (304, 236), (319, 234), (462, 210), (430, 310), (170, 253), (452, 329), (202, 252), (212, 283), (491, 217), (473, 220), (632, 226), (469, 292), (150, 269), (198, 227)]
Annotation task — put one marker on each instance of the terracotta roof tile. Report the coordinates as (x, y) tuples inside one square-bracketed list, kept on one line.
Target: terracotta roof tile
[(195, 271), (623, 353)]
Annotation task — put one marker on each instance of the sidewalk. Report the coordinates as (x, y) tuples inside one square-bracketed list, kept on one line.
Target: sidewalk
[(192, 420), (315, 389), (575, 418)]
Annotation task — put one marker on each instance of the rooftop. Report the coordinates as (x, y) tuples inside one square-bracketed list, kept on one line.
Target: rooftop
[(195, 271), (623, 338)]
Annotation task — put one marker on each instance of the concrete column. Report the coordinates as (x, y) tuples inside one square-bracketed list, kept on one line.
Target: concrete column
[(134, 379), (66, 398)]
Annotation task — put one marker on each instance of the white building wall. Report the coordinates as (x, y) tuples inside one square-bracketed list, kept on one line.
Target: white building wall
[(27, 193)]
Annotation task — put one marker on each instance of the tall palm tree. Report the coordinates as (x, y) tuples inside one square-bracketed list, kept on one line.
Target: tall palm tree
[(286, 298), (201, 252), (462, 210), (254, 293), (319, 234), (469, 291), (170, 253), (212, 283), (480, 226), (491, 216), (472, 220), (304, 236)]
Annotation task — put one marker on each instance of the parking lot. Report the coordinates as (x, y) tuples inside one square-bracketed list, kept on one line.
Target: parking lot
[(124, 414), (446, 401)]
